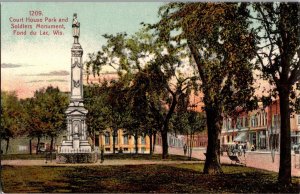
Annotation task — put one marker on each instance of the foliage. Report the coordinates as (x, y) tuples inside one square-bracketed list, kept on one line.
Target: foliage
[(12, 120), (95, 100), (46, 115), (150, 69), (217, 37), (277, 33)]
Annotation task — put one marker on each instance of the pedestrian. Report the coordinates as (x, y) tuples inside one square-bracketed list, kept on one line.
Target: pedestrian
[(102, 154), (244, 149), (252, 147), (184, 149)]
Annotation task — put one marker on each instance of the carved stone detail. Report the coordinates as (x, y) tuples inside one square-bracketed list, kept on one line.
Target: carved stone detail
[(76, 83), (76, 63), (77, 53)]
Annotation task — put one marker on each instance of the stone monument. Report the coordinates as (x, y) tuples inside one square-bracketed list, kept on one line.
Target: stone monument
[(76, 148)]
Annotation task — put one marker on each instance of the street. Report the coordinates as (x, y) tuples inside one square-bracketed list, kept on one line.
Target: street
[(255, 159)]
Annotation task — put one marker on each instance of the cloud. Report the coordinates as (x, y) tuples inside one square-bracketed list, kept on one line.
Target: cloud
[(51, 73), (50, 80), (10, 65), (34, 81), (55, 73), (56, 80)]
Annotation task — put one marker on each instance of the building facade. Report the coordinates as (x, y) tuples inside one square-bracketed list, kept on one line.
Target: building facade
[(124, 142), (260, 128)]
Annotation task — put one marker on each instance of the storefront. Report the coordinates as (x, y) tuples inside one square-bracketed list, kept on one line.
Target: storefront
[(252, 139), (262, 140)]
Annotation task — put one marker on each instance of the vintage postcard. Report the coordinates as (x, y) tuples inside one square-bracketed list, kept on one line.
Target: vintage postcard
[(140, 97)]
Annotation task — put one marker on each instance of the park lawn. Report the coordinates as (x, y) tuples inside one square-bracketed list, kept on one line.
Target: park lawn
[(180, 178), (116, 156), (147, 157), (23, 156)]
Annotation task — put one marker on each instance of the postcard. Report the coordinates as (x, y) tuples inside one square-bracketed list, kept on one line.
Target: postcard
[(139, 97)]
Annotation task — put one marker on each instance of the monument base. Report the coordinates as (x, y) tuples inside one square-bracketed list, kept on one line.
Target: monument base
[(79, 146), (63, 158)]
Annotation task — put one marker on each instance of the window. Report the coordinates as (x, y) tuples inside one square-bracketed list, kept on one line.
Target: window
[(125, 139), (253, 121), (23, 148), (256, 121), (229, 124), (107, 138), (116, 139), (246, 122), (143, 149), (97, 140), (143, 140), (239, 123), (275, 121)]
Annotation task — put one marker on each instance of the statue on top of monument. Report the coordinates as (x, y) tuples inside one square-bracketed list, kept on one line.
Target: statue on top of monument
[(75, 26)]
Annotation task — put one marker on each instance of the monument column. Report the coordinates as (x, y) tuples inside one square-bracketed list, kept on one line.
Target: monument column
[(76, 113)]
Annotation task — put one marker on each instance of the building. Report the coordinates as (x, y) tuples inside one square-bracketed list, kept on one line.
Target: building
[(259, 128), (124, 142)]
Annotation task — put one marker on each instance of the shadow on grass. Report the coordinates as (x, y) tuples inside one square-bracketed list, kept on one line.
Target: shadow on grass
[(181, 178)]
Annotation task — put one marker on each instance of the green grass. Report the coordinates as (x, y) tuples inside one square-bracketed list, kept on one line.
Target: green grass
[(23, 156), (146, 157), (106, 157), (181, 178)]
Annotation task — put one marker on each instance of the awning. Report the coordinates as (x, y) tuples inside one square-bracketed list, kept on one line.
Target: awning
[(241, 137)]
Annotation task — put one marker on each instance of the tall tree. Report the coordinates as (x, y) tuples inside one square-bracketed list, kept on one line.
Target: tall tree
[(118, 105), (12, 120), (158, 62), (46, 114), (277, 26), (99, 112), (217, 36)]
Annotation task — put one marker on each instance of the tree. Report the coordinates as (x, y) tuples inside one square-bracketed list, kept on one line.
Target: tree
[(12, 121), (118, 105), (46, 114), (217, 37), (277, 31), (95, 100), (157, 63)]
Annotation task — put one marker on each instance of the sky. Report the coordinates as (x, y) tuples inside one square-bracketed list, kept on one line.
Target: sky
[(31, 62)]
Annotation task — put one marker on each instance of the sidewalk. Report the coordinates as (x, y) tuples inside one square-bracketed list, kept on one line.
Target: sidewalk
[(261, 160)]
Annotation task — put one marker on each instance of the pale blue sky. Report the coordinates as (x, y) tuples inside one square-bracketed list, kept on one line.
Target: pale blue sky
[(26, 57)]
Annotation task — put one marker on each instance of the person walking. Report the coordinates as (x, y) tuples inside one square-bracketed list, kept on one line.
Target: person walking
[(244, 149), (184, 149)]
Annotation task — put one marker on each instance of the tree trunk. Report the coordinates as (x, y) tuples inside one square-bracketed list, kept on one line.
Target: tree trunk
[(284, 176), (212, 164), (30, 147), (136, 142), (151, 141), (191, 145), (154, 142), (165, 146), (37, 146), (51, 147), (7, 145), (114, 141)]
